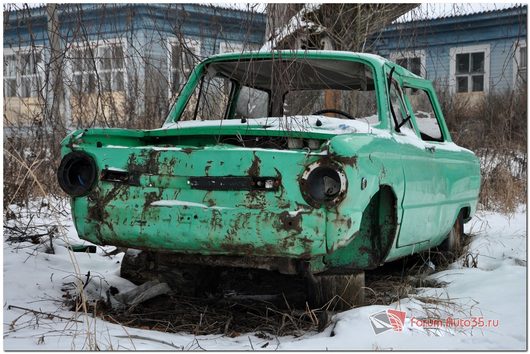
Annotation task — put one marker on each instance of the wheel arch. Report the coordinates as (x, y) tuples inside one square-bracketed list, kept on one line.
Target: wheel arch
[(388, 219), (466, 213), (375, 238)]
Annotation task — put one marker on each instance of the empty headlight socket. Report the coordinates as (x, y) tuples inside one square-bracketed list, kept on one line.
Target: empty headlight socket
[(323, 183), (77, 173)]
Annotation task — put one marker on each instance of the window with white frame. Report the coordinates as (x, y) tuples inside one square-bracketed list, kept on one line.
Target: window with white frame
[(231, 47), (23, 72), (183, 55), (104, 61), (413, 61), (520, 62), (470, 69)]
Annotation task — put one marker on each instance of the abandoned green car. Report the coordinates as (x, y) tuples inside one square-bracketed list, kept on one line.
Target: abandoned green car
[(316, 163)]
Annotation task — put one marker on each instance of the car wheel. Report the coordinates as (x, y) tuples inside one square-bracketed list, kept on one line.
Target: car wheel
[(453, 246), (336, 292)]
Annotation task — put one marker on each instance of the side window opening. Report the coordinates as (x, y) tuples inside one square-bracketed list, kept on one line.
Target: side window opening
[(425, 115), (210, 99), (399, 108)]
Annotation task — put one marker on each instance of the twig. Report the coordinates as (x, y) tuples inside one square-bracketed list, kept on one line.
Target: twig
[(197, 341), (25, 238), (51, 315), (134, 336), (87, 280)]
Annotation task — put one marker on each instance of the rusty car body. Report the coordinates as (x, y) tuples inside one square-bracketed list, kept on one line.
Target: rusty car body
[(296, 161)]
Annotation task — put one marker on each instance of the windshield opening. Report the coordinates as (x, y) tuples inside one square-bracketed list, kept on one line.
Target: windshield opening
[(272, 88)]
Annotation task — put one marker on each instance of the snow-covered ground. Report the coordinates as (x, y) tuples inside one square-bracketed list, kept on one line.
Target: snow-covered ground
[(493, 293)]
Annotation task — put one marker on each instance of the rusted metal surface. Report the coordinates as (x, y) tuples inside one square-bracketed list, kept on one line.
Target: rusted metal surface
[(163, 197)]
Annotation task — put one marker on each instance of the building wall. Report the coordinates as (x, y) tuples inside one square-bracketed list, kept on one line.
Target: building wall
[(143, 31), (500, 30)]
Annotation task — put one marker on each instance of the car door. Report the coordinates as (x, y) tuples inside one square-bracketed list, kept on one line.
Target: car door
[(456, 180), (423, 183), (433, 134)]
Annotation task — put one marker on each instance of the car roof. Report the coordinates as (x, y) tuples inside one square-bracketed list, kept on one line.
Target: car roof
[(374, 59)]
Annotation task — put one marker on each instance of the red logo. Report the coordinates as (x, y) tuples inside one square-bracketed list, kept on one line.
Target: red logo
[(388, 320)]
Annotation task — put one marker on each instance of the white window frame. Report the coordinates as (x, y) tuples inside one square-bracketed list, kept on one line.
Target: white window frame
[(409, 54), (325, 42), (98, 46), (468, 50), (194, 44), (515, 60), (231, 47), (37, 78)]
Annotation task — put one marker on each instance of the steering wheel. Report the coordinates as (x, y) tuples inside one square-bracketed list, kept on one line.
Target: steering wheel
[(331, 110)]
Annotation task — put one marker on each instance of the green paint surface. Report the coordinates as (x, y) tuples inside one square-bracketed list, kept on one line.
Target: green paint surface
[(162, 212)]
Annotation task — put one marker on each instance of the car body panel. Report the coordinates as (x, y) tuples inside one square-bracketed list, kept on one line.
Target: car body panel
[(156, 208)]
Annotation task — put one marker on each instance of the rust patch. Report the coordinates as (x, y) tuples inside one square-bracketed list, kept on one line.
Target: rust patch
[(207, 167), (152, 162), (287, 242), (365, 250), (96, 213), (239, 249), (283, 265), (216, 221), (254, 169), (151, 197), (149, 166), (307, 243), (255, 200), (168, 166), (280, 199), (291, 222), (351, 161)]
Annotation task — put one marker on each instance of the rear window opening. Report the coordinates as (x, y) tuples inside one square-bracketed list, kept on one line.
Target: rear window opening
[(293, 87)]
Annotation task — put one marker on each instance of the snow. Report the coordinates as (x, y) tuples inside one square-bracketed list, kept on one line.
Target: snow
[(115, 169), (327, 125), (175, 202), (295, 24), (433, 11), (118, 147), (494, 290)]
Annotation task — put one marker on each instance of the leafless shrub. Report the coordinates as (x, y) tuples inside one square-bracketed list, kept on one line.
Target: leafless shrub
[(93, 73), (494, 127)]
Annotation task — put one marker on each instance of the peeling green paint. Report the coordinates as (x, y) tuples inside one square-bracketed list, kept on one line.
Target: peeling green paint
[(157, 209)]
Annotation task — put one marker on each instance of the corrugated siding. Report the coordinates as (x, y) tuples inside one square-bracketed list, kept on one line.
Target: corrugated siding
[(498, 30)]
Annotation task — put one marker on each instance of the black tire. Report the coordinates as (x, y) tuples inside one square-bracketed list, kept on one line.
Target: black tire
[(336, 292), (453, 246)]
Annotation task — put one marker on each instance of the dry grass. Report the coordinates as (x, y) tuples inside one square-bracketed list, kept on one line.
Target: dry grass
[(496, 130)]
